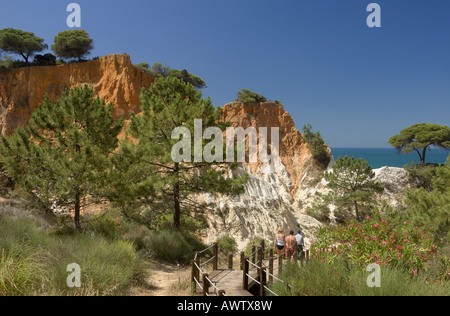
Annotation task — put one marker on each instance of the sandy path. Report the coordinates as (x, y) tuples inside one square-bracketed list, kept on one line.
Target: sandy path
[(165, 280)]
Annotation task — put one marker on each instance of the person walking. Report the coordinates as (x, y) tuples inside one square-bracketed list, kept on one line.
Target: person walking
[(300, 242), (291, 243), (279, 242)]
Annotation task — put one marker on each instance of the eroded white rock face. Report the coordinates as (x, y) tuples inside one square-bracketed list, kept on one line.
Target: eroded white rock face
[(268, 203), (265, 206), (394, 180)]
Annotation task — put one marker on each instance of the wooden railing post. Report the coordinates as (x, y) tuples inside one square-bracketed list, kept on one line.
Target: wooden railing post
[(193, 274), (216, 256), (271, 265), (260, 259), (230, 261), (205, 284), (242, 260), (262, 281), (197, 261), (263, 247), (280, 264), (253, 254), (244, 273)]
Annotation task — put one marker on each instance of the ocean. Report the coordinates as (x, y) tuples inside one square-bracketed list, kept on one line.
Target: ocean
[(380, 157)]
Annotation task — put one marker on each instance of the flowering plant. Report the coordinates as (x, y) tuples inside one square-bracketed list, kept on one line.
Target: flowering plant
[(375, 240)]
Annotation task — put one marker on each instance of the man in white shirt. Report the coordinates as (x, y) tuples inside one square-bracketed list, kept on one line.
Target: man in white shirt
[(299, 239)]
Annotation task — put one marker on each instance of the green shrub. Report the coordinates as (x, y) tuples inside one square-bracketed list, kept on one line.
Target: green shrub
[(316, 145), (136, 234), (247, 96), (256, 241), (227, 243), (165, 222), (342, 278), (107, 227), (430, 208), (18, 271), (108, 267), (174, 246), (34, 262), (319, 208), (421, 175), (6, 63), (375, 240)]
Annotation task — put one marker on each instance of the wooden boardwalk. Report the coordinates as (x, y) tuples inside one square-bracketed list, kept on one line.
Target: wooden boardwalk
[(251, 276), (231, 281)]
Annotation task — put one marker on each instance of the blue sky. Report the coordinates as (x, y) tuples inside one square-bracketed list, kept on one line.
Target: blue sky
[(357, 85)]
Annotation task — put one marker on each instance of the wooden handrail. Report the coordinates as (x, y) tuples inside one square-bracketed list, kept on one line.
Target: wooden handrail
[(256, 259), (205, 282), (197, 274), (262, 281)]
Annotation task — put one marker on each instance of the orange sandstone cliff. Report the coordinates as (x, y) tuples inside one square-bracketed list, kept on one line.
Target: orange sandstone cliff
[(294, 154), (269, 201), (116, 80), (113, 78)]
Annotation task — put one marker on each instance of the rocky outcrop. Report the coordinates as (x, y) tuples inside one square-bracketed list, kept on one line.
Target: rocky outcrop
[(113, 78), (270, 199), (394, 181), (256, 213), (295, 157)]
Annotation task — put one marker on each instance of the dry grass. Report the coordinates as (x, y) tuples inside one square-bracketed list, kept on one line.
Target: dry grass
[(164, 280)]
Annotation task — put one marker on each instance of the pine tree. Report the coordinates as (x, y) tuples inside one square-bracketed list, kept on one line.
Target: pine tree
[(72, 44), (22, 43), (420, 138), (61, 158), (431, 210), (352, 186), (316, 145), (154, 184), (247, 96)]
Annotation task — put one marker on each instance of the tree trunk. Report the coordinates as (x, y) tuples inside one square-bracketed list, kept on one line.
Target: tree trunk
[(422, 158), (357, 211), (423, 155), (26, 57), (77, 210), (176, 200)]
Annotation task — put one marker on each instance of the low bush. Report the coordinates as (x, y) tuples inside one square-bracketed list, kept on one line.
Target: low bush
[(342, 278), (375, 240), (316, 145), (34, 262), (173, 246), (227, 243), (256, 241), (421, 175), (247, 96), (106, 227)]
